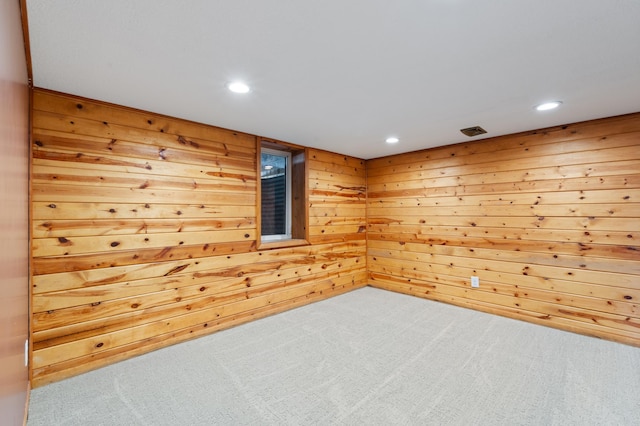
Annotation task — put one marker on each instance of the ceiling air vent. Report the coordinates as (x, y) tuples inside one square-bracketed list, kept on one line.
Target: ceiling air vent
[(473, 131)]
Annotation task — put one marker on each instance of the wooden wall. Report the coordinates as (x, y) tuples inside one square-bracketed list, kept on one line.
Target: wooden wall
[(144, 230), (548, 220), (14, 216), (144, 234)]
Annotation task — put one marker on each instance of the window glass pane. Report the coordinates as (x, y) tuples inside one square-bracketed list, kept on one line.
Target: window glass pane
[(274, 194)]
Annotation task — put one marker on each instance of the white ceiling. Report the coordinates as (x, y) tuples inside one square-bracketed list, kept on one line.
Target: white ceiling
[(343, 75)]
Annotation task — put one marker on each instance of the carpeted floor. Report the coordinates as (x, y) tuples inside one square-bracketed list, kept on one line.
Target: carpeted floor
[(366, 357)]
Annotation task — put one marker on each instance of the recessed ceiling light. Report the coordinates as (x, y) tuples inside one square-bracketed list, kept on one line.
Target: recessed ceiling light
[(238, 87), (548, 105), (392, 139)]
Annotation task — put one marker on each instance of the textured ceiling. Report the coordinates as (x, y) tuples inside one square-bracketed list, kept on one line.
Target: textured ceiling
[(344, 75)]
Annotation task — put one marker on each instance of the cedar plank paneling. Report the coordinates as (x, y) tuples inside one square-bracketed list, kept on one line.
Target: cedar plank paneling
[(144, 234), (144, 230), (548, 220)]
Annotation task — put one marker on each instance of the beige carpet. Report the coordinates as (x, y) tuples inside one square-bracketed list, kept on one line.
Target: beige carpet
[(366, 357)]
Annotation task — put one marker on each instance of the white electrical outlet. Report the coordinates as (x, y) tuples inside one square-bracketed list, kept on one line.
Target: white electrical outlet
[(26, 352), (475, 282)]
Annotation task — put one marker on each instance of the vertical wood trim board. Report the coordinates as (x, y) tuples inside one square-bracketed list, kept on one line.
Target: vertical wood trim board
[(548, 220), (14, 215), (144, 234)]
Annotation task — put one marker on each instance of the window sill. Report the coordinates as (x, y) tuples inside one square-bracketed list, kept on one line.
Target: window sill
[(282, 244)]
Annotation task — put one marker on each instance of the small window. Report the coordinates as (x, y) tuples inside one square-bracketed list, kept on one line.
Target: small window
[(282, 195), (275, 179)]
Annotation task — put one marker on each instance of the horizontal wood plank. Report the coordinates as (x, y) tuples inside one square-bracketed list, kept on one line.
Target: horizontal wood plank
[(69, 105), (101, 227)]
